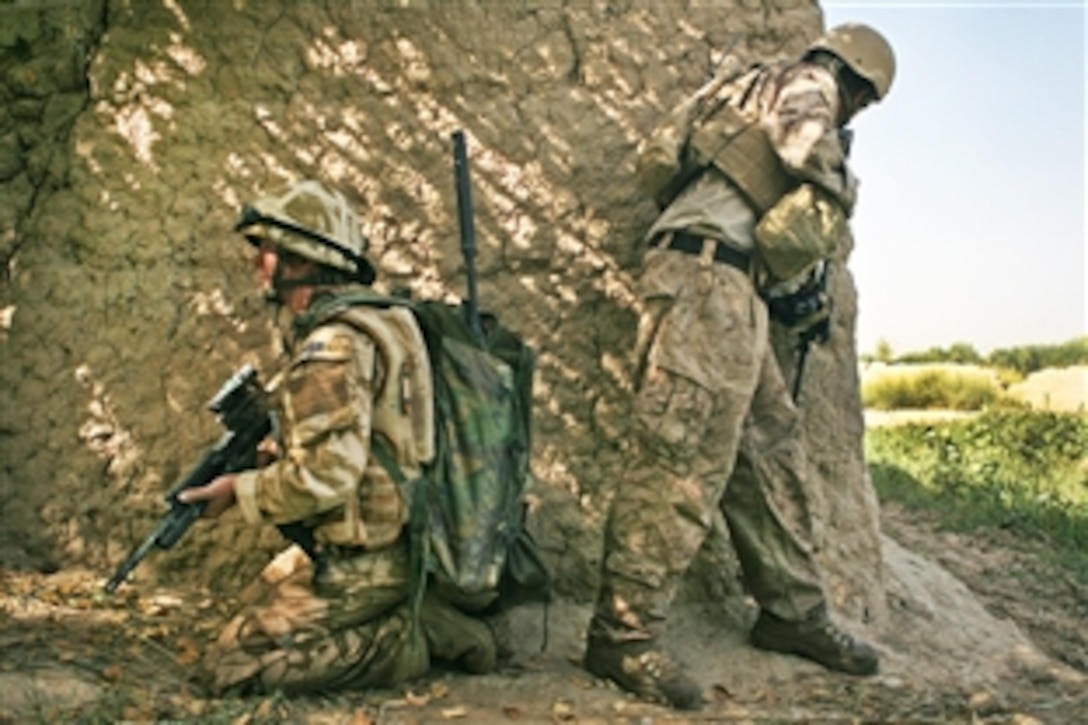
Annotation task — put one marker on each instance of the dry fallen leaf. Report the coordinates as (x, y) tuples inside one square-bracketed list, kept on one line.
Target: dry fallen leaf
[(195, 707), (722, 692), (562, 711), (264, 710), (112, 673), (188, 651), (453, 713), (68, 587), (1019, 718), (581, 682)]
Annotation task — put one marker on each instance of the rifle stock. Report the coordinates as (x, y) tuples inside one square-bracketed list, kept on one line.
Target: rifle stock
[(241, 409)]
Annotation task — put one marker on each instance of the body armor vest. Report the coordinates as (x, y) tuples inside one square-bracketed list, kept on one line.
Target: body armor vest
[(729, 137)]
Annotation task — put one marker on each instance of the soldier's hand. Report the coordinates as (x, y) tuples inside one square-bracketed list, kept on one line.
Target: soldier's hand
[(219, 494), (267, 452)]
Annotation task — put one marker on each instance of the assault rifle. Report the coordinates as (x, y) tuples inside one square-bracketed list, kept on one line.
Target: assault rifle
[(808, 309), (820, 332), (242, 410)]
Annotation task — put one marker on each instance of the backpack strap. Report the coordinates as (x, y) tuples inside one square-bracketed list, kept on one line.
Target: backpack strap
[(332, 303), (418, 542)]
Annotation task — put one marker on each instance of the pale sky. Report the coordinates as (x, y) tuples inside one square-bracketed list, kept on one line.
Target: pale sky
[(970, 225)]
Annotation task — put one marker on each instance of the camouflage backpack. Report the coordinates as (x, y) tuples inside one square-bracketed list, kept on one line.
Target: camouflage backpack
[(467, 510)]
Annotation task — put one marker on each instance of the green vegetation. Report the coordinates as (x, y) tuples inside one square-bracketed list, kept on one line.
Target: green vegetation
[(933, 389), (1024, 359), (958, 352), (1022, 470), (1028, 359)]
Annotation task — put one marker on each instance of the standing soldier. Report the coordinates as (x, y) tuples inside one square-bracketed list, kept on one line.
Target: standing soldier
[(334, 610), (769, 172)]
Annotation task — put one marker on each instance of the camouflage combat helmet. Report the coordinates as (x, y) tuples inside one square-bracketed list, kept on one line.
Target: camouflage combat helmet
[(864, 51), (312, 222)]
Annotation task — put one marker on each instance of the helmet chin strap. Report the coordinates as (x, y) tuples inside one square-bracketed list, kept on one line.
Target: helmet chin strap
[(281, 286), (276, 298)]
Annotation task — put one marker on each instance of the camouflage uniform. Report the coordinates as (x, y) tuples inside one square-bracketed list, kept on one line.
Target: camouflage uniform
[(361, 374), (711, 396)]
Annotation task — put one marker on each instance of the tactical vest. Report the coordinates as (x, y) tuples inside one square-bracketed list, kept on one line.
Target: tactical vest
[(404, 407), (729, 137), (402, 415)]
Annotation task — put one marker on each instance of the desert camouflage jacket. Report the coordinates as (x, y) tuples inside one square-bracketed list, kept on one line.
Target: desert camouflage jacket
[(359, 374)]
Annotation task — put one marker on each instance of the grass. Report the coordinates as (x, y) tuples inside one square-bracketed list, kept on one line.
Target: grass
[(928, 388), (1015, 469)]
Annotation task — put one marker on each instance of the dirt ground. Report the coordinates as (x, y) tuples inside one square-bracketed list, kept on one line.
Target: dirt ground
[(69, 653)]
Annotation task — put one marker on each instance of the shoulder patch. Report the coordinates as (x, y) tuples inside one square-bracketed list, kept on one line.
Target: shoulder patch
[(326, 343)]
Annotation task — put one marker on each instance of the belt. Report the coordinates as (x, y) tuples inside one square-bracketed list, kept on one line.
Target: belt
[(693, 244), (338, 551)]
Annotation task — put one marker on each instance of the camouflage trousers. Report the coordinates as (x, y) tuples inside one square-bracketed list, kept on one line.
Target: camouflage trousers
[(712, 409), (351, 627)]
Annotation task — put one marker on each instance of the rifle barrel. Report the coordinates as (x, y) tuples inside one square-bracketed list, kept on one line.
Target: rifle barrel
[(468, 232), (130, 563)]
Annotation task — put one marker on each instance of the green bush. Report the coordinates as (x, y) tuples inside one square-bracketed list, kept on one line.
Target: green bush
[(930, 389), (960, 352), (1008, 376), (1027, 359), (1016, 469)]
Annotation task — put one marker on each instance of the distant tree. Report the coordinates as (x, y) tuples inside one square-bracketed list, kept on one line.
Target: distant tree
[(962, 352), (1026, 359), (933, 354), (959, 352), (883, 352)]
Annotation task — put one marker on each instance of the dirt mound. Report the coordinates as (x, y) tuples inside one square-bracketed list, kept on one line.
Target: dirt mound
[(1058, 389)]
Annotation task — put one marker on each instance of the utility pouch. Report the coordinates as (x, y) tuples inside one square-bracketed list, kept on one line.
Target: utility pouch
[(797, 232)]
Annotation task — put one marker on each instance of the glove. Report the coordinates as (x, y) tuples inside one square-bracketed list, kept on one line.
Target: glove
[(799, 307)]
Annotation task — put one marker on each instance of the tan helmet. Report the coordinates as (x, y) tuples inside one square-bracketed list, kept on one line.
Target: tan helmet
[(864, 51), (312, 222)]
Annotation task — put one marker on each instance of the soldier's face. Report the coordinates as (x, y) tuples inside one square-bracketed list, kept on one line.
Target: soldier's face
[(276, 272), (296, 293), (264, 261), (862, 98), (857, 96)]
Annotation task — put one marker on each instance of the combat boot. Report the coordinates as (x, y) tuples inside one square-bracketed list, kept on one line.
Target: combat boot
[(458, 638), (816, 638), (645, 671)]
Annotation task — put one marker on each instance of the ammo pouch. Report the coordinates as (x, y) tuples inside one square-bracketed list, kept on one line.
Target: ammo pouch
[(800, 230), (798, 224)]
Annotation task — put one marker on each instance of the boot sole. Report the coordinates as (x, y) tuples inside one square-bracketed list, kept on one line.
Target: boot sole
[(789, 649)]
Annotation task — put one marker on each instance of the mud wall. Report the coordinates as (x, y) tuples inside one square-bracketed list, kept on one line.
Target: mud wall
[(131, 131)]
